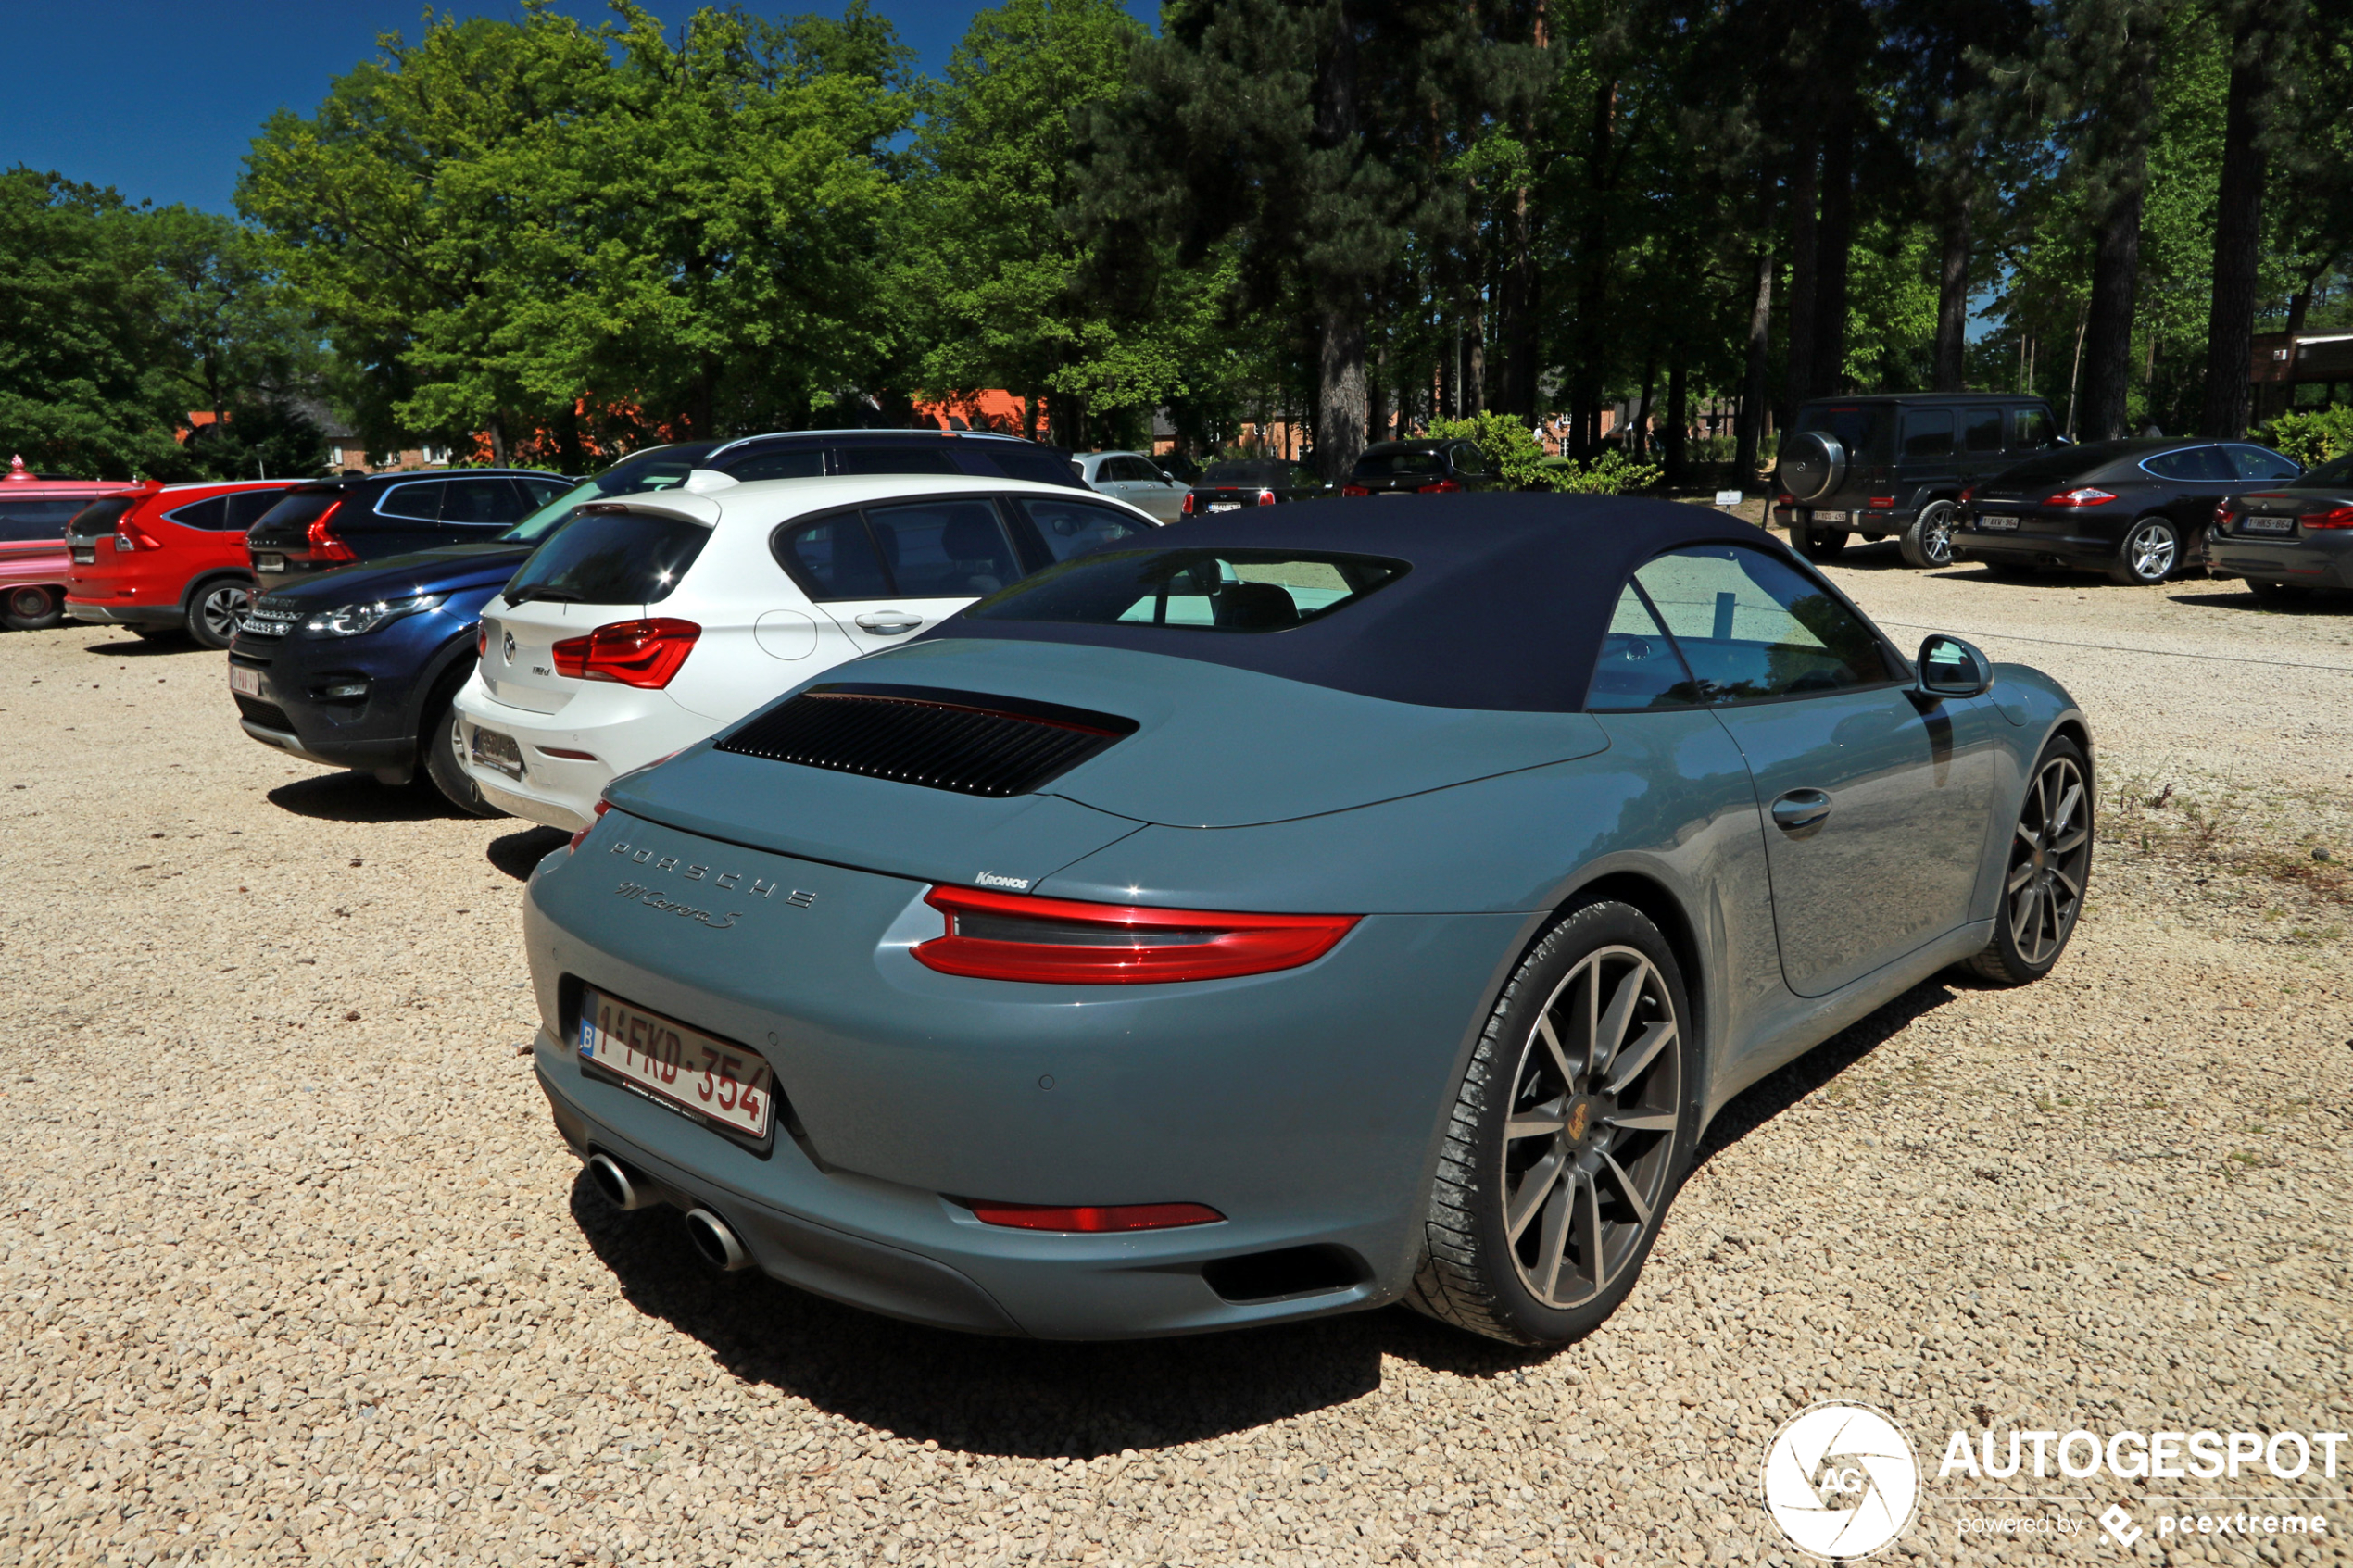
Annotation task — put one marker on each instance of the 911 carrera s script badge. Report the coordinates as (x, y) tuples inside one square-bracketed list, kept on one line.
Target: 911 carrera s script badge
[(652, 898)]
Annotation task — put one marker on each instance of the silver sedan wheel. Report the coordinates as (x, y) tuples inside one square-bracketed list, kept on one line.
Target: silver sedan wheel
[(2049, 857), (2151, 550), (223, 609), (1589, 1138)]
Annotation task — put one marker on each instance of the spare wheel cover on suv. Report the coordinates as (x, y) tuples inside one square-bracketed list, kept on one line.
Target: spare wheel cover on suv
[(1813, 464)]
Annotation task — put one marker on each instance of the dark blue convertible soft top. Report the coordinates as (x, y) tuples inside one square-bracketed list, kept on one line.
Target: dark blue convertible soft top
[(1503, 609)]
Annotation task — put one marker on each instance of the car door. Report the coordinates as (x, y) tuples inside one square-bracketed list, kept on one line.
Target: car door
[(1049, 529), (481, 507), (1876, 802), (405, 517), (2196, 480), (904, 567), (1982, 442), (1148, 490)]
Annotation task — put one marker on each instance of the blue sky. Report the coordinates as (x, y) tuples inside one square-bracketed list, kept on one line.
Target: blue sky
[(160, 100)]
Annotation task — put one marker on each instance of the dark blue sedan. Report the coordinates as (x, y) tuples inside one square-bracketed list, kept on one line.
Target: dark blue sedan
[(1294, 912)]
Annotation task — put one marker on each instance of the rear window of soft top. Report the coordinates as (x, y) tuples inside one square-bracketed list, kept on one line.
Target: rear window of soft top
[(1198, 589)]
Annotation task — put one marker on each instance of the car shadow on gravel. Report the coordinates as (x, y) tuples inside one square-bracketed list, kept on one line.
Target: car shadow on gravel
[(1018, 1398), (518, 853), (360, 797), (2321, 602), (130, 646), (1778, 1090)]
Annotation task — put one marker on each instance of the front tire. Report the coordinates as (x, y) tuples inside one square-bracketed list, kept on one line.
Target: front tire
[(1571, 1131), (2046, 871), (33, 607), (2150, 554), (438, 741), (216, 610), (1928, 543)]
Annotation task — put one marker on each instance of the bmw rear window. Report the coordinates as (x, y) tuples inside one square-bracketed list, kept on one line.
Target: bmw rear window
[(611, 559), (1383, 463), (1203, 590)]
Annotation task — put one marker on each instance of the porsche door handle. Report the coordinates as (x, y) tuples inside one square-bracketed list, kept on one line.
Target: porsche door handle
[(1801, 811), (890, 622)]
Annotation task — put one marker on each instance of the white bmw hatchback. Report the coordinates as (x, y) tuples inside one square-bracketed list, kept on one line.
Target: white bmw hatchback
[(651, 620)]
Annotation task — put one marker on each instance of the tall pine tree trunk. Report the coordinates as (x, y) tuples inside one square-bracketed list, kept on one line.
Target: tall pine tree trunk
[(1341, 398), (1952, 294), (1836, 243), (1679, 410), (1805, 242), (1595, 339), (2108, 322), (1760, 329), (1376, 396), (2230, 321)]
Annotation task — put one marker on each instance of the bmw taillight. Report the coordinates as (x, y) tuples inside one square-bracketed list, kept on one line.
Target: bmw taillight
[(2086, 495), (482, 639), (1065, 942), (1095, 1217), (129, 536), (1354, 490), (2336, 517), (1443, 487), (324, 544), (1266, 497), (582, 837), (635, 653)]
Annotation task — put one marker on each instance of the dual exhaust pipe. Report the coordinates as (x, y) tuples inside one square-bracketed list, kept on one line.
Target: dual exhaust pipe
[(714, 1239)]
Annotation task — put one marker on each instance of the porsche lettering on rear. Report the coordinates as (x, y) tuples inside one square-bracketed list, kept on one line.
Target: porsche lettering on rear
[(729, 881)]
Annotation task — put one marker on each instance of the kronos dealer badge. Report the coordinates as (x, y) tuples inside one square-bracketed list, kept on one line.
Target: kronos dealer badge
[(1840, 1481)]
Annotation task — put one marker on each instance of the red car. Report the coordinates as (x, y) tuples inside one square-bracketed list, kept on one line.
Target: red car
[(34, 514), (170, 559)]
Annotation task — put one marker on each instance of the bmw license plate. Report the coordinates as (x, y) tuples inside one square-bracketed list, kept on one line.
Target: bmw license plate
[(498, 751), (709, 1078), (1833, 516), (244, 682), (2252, 524), (1997, 522)]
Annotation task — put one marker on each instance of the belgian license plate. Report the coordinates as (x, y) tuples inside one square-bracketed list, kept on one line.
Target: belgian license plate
[(1225, 505), (268, 563), (1997, 522), (1833, 516), (244, 681), (493, 749), (2252, 524), (683, 1067), (85, 555)]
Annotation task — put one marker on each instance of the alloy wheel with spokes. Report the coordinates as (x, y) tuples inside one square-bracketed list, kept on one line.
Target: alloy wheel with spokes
[(2152, 549), (2046, 871), (218, 612), (1593, 1124), (1571, 1128)]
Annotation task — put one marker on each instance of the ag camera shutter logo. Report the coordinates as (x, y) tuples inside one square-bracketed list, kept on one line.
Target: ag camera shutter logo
[(1841, 1480)]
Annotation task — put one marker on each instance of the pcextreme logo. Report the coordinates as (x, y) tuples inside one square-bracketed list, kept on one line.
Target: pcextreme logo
[(1840, 1481)]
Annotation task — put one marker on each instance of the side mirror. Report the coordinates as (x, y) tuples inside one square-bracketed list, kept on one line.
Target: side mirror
[(1167, 478), (1949, 667)]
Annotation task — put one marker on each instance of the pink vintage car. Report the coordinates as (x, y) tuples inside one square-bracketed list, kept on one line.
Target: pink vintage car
[(33, 513)]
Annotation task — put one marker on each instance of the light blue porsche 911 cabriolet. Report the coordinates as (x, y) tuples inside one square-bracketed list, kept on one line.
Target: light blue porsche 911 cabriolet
[(1294, 912)]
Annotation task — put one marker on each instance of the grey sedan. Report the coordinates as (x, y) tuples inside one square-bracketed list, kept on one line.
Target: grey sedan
[(2289, 541), (1134, 479)]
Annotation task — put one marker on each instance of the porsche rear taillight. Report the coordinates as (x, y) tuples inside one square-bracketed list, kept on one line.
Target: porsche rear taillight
[(324, 543), (635, 653), (1065, 942), (1443, 487), (1095, 1217), (2086, 495), (582, 837)]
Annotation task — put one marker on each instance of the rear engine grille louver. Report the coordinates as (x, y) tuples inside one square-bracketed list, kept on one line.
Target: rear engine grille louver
[(971, 742)]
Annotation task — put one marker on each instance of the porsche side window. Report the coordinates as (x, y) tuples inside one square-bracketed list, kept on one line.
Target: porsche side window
[(1751, 627), (1638, 666)]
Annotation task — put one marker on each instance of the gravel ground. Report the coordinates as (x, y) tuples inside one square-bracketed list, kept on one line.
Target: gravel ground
[(292, 1264)]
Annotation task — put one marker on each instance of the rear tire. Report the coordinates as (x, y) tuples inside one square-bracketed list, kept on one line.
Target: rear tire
[(2046, 873), (1572, 1127), (216, 610), (2279, 592), (1928, 543), (33, 607), (438, 742), (2151, 553)]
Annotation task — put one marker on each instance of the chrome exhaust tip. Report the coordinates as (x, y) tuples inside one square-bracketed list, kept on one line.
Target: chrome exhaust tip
[(616, 1186), (717, 1241)]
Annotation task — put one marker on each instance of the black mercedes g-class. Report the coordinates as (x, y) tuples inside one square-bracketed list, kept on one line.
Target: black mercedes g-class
[(1897, 465)]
